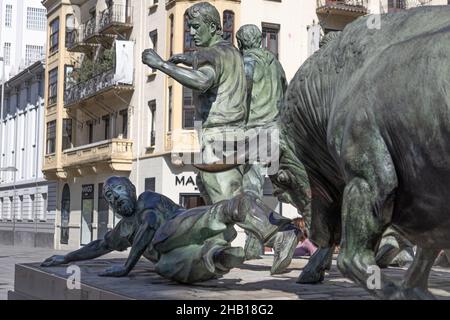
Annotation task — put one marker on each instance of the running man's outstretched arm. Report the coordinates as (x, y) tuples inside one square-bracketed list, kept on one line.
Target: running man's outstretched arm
[(200, 80)]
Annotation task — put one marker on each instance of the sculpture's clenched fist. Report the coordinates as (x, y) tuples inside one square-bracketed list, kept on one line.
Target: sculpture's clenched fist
[(152, 59)]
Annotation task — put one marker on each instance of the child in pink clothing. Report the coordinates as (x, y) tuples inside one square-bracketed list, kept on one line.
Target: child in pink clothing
[(304, 247)]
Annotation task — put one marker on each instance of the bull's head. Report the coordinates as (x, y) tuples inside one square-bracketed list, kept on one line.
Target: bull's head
[(291, 183)]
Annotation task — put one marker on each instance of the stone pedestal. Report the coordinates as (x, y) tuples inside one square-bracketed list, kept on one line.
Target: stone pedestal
[(251, 281)]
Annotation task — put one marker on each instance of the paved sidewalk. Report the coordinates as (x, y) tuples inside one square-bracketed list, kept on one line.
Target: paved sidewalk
[(251, 281)]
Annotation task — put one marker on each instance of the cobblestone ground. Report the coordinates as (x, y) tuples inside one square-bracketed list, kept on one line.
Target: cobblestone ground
[(251, 281)]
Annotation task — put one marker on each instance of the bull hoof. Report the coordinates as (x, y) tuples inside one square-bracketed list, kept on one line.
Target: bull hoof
[(311, 277)]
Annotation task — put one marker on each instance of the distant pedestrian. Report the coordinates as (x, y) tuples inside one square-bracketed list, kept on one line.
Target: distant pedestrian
[(305, 247)]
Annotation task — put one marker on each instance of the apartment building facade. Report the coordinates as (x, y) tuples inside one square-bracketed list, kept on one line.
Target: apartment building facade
[(27, 200), (22, 34), (290, 29), (108, 114), (334, 15)]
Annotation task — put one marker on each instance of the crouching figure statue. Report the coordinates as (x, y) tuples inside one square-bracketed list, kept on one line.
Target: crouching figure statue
[(186, 246)]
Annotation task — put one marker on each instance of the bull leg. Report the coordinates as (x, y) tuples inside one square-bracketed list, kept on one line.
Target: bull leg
[(371, 184), (324, 222), (314, 271), (362, 229), (416, 280)]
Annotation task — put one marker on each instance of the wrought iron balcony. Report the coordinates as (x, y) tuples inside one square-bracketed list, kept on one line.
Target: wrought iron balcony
[(116, 19), (75, 41), (344, 7), (400, 5), (90, 30), (98, 84)]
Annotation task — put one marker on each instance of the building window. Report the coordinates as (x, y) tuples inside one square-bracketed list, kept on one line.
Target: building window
[(7, 104), (33, 54), (396, 5), (171, 19), (67, 134), (190, 201), (270, 35), (52, 86), (27, 214), (170, 104), (36, 19), (189, 44), (54, 35), (90, 132), (18, 98), (103, 213), (107, 127), (154, 39), (70, 27), (124, 114), (152, 106), (8, 15), (41, 86), (43, 207), (68, 78), (188, 109), (150, 184), (7, 53), (228, 26), (65, 214), (18, 208), (51, 137), (28, 87), (87, 213)]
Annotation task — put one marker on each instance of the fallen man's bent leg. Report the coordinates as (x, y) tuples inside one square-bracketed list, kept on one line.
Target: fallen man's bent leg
[(253, 181), (196, 263), (252, 215)]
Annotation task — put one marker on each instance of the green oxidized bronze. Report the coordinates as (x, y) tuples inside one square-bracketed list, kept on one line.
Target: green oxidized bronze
[(365, 116), (186, 246)]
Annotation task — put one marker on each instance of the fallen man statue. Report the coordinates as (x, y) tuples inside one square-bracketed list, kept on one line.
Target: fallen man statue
[(186, 246), (368, 116)]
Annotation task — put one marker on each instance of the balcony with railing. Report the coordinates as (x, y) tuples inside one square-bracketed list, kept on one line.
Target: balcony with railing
[(116, 19), (114, 154), (182, 141), (75, 41), (343, 7), (400, 5), (90, 33), (99, 84)]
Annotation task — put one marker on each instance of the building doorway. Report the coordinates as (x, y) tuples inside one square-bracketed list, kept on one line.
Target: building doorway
[(103, 213), (191, 200), (65, 214), (87, 213)]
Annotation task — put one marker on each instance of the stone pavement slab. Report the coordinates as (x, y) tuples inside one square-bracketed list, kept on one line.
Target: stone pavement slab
[(251, 281), (12, 255)]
